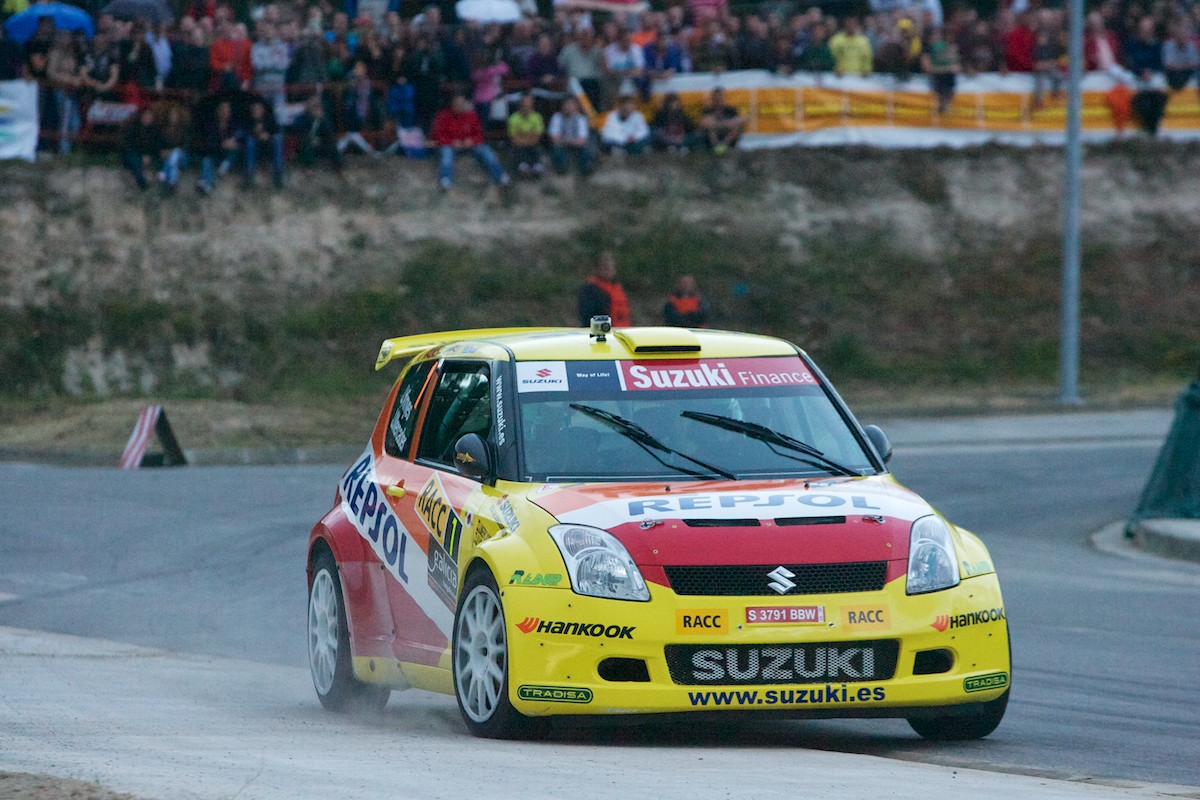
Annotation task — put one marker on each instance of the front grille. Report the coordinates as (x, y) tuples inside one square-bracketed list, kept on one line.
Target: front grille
[(756, 580), (810, 662)]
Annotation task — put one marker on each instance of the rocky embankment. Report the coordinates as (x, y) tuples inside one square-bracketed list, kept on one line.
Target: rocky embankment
[(939, 263)]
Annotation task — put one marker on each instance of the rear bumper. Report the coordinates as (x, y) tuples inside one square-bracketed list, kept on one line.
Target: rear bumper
[(560, 669)]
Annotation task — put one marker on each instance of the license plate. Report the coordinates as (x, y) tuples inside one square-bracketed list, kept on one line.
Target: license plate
[(793, 615)]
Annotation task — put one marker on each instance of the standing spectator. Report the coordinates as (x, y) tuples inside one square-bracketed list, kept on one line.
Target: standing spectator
[(583, 60), (101, 68), (543, 69), (457, 130), (625, 129), (1018, 45), (375, 53), (851, 50), (190, 60), (140, 145), (664, 57), (816, 56), (1101, 49), (704, 10), (229, 58), (216, 144), (520, 47), (62, 69), (309, 67), (12, 58), (487, 75), (424, 69), (754, 48), (262, 133), (270, 58), (941, 65), (137, 60), (713, 51), (721, 123), (625, 64), (160, 50), (1143, 53), (363, 111), (672, 129), (602, 295), (315, 136), (570, 139), (893, 56), (976, 49), (1180, 56), (525, 129), (37, 48), (686, 307)]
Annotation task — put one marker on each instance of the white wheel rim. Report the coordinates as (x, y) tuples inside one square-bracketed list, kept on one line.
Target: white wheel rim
[(322, 631), (481, 654)]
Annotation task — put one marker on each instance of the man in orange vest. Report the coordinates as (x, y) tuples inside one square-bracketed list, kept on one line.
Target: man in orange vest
[(603, 295), (686, 308)]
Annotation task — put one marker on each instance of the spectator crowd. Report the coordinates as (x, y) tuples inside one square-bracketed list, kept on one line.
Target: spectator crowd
[(308, 81)]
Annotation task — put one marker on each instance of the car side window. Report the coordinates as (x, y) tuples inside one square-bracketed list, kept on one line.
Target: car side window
[(461, 404), (403, 419)]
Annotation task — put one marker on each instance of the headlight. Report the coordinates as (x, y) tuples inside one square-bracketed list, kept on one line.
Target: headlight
[(932, 562), (597, 564)]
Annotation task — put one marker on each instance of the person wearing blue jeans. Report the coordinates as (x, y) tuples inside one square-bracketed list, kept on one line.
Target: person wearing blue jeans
[(218, 140), (457, 129), (262, 132)]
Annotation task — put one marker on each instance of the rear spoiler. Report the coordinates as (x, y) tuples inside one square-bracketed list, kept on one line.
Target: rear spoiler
[(404, 346)]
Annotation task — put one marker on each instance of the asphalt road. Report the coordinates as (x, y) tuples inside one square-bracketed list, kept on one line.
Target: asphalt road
[(1106, 648)]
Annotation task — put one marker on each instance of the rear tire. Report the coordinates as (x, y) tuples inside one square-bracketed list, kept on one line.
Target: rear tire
[(329, 646), (968, 726), (480, 662)]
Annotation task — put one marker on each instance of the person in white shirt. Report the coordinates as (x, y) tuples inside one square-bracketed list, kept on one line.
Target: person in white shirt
[(625, 129), (626, 64), (570, 139)]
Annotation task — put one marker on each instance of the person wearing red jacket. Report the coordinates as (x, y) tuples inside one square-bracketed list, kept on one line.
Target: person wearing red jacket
[(229, 59), (457, 130), (1018, 46), (603, 295)]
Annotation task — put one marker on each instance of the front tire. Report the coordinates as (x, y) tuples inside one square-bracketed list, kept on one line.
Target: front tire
[(959, 728), (480, 663), (329, 646)]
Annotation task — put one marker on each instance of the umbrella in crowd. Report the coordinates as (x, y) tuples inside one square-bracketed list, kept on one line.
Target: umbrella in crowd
[(488, 10), (21, 27), (154, 10)]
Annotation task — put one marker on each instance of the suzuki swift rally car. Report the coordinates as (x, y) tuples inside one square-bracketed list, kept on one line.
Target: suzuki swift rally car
[(645, 520)]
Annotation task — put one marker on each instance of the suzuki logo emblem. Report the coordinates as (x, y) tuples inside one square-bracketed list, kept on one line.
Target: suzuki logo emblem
[(543, 373), (782, 583)]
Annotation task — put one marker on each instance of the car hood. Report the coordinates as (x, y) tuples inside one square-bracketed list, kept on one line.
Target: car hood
[(762, 522)]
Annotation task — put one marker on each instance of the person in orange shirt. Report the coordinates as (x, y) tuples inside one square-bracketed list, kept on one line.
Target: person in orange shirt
[(603, 295), (686, 308)]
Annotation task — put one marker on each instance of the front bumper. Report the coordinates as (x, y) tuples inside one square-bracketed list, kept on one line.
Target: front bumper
[(570, 654)]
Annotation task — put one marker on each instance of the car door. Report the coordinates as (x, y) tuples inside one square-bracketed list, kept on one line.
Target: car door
[(420, 473)]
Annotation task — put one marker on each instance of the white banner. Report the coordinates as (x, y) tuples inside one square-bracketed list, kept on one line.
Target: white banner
[(18, 119), (814, 109)]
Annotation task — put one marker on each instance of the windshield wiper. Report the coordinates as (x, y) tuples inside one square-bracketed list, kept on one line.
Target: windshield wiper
[(771, 437), (645, 440)]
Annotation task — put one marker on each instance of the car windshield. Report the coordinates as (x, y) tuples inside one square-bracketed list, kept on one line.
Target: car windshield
[(665, 420)]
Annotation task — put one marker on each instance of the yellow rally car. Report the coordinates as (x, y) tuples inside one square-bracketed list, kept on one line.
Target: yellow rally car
[(643, 520)]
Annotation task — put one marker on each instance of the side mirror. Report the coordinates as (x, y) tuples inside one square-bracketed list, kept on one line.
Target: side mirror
[(472, 458), (880, 441)]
